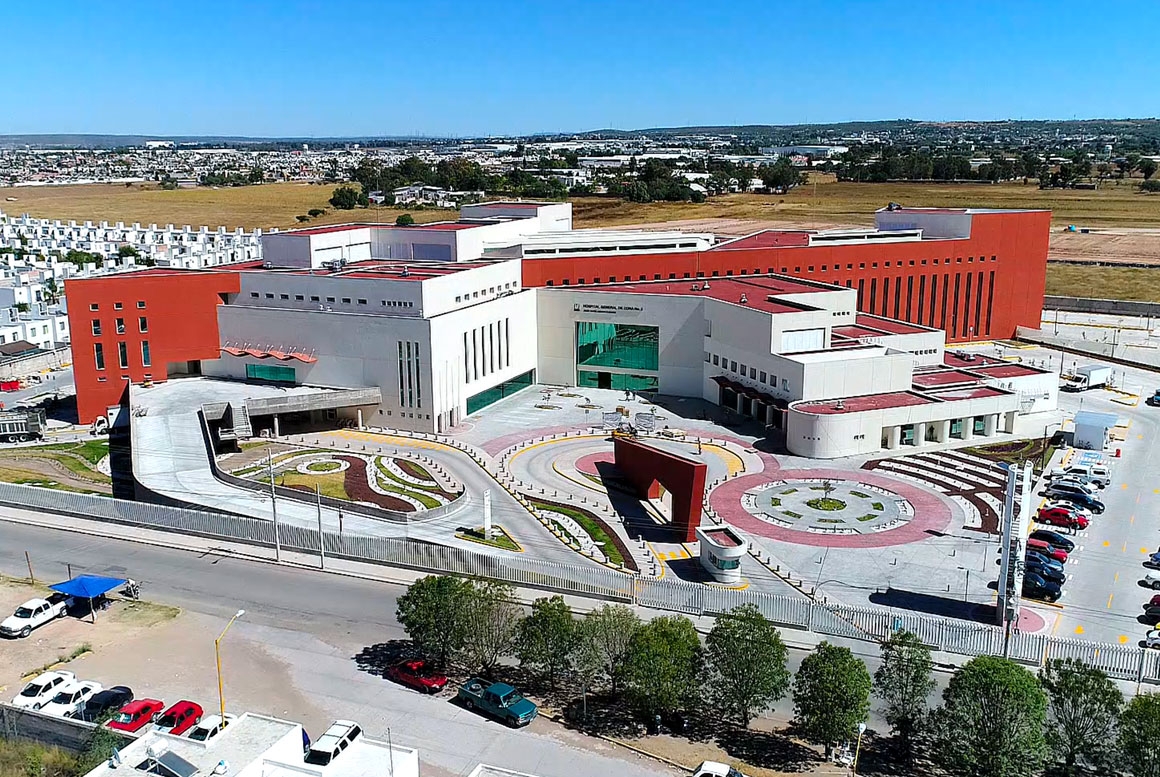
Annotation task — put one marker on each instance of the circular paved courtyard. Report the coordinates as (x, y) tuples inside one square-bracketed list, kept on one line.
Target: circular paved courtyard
[(827, 506)]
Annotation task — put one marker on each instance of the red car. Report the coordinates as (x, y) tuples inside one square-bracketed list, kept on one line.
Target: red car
[(1155, 602), (135, 715), (179, 718), (417, 675), (1048, 550), (1059, 516)]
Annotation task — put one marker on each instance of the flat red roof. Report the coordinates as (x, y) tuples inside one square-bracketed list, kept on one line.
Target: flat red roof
[(770, 238), (969, 392), (721, 289), (861, 404), (943, 378), (857, 331), (955, 359), (889, 325), (1007, 370)]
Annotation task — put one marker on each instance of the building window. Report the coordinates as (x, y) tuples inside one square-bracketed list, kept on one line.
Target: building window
[(733, 366), (715, 362), (330, 299), (619, 346), (271, 373), (314, 298), (299, 298), (96, 327), (143, 324), (752, 373), (459, 298), (99, 354), (346, 300), (94, 306), (254, 295), (141, 304), (362, 302), (706, 356), (763, 376), (120, 326), (117, 306), (269, 295), (123, 354), (283, 296), (146, 361)]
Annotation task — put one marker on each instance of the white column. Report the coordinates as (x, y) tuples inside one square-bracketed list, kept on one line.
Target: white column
[(893, 437), (360, 418), (942, 430), (275, 426), (1009, 422), (968, 427), (920, 434), (990, 422)]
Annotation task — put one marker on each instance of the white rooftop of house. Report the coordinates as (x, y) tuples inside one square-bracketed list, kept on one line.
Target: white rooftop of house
[(362, 758), (243, 742)]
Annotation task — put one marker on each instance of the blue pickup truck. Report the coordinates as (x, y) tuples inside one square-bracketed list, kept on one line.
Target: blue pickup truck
[(497, 700)]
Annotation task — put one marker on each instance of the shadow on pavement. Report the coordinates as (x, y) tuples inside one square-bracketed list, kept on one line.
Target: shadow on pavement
[(768, 750), (944, 606), (375, 659)]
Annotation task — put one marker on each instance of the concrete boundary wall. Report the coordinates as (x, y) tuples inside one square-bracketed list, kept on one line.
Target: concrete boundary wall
[(30, 726), (1115, 307), (28, 365)]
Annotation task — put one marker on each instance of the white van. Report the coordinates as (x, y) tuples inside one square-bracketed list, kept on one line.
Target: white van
[(1098, 474)]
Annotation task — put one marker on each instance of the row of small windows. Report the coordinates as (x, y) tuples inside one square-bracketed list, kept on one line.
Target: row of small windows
[(119, 325), (386, 303), (116, 305), (745, 371), (122, 355), (475, 294)]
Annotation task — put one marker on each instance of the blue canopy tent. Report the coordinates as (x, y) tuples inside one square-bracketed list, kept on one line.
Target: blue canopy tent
[(88, 587)]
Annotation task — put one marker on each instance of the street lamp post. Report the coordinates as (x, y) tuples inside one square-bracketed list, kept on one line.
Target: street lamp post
[(858, 749), (217, 649)]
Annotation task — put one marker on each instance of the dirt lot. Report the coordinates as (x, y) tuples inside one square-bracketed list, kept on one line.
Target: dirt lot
[(1131, 246), (158, 652)]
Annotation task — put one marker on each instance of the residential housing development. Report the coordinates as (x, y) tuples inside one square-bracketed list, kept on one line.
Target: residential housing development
[(835, 337)]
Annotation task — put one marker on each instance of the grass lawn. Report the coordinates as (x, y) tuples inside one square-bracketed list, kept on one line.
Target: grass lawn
[(401, 486), (1130, 283), (330, 484), (91, 451), (1017, 451), (10, 463), (855, 203), (268, 205), (499, 539), (588, 524)]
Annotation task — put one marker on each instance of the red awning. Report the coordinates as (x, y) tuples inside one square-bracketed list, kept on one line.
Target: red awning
[(258, 353)]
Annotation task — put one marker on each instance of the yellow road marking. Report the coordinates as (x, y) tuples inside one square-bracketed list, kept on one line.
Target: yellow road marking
[(1132, 520), (1123, 639), (1079, 629), (1116, 579), (1106, 543), (1125, 548), (1110, 596), (1124, 486)]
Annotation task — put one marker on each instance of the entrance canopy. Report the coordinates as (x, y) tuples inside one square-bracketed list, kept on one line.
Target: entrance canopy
[(88, 586)]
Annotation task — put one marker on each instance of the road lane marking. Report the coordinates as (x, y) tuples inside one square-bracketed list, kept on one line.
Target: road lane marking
[(1124, 486), (1106, 543), (1116, 579), (1125, 548), (1110, 597), (1132, 520), (1079, 629), (1123, 639)]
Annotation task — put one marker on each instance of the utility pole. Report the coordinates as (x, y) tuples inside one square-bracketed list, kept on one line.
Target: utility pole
[(274, 509), (321, 538)]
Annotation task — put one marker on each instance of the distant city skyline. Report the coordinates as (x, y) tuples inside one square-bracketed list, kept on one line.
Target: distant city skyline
[(358, 68)]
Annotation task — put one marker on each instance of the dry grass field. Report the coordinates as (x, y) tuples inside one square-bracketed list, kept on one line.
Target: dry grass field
[(1129, 283), (854, 203), (269, 205)]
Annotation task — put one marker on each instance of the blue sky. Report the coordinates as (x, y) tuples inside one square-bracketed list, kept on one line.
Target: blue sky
[(354, 67)]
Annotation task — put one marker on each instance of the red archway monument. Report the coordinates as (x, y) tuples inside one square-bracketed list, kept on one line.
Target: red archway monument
[(647, 469)]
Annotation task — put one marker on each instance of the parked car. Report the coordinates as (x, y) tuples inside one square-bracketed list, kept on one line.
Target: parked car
[(1154, 559), (179, 718), (1093, 473), (1151, 615), (1035, 587), (40, 689), (1051, 574), (1034, 556), (1045, 549), (1152, 638), (210, 726), (1066, 505), (1152, 580), (1154, 400), (136, 715), (716, 769), (35, 613), (1056, 516), (1077, 497), (497, 700), (418, 675), (1074, 481), (69, 699), (1055, 539), (1153, 602), (101, 704), (332, 742)]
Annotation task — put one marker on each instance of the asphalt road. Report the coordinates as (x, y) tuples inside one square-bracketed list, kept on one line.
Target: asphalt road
[(315, 622)]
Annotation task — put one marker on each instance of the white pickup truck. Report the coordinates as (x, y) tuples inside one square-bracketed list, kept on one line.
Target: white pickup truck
[(35, 613)]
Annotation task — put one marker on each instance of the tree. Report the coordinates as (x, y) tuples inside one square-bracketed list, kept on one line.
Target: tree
[(664, 664), (605, 639), (903, 681), (1139, 741), (345, 198), (404, 220), (831, 695), (126, 250), (1148, 167), (748, 663), (547, 638), (1083, 707), (1151, 185), (991, 722), (493, 619), (434, 614), (313, 212)]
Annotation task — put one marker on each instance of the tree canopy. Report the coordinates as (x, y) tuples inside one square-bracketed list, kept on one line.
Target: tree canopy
[(904, 683), (747, 662), (1139, 741), (831, 695), (664, 664), (1083, 708)]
